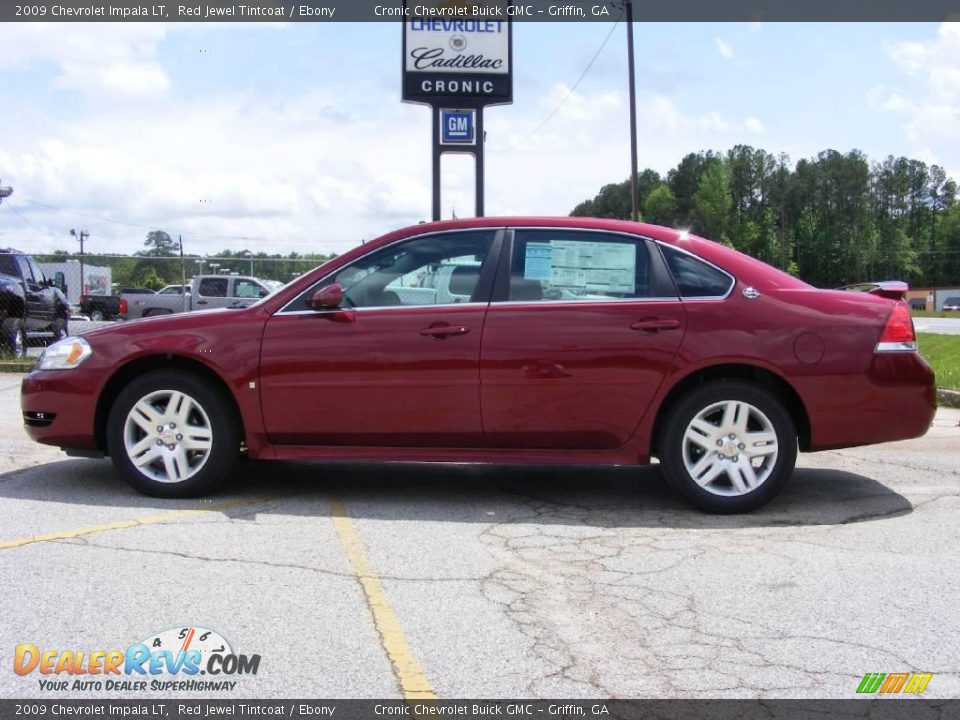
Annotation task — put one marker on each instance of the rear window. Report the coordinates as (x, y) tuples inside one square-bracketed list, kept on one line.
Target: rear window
[(694, 277)]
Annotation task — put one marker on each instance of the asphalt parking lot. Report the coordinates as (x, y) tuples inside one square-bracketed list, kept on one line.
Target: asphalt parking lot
[(461, 581)]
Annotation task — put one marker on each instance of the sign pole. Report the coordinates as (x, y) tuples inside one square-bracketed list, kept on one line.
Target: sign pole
[(435, 119), (478, 158)]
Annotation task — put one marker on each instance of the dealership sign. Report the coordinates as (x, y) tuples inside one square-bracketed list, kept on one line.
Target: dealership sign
[(449, 53)]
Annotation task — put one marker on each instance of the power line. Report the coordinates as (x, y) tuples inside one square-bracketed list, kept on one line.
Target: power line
[(573, 89)]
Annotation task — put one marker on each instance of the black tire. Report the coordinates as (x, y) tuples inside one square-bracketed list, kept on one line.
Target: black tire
[(730, 490), (221, 425), (97, 315), (14, 337)]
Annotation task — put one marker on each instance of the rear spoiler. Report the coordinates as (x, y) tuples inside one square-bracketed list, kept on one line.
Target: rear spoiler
[(892, 289)]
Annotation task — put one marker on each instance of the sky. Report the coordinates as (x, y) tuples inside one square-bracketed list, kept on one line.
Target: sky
[(293, 137)]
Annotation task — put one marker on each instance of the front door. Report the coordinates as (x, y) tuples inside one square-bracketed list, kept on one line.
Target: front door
[(583, 328), (398, 364)]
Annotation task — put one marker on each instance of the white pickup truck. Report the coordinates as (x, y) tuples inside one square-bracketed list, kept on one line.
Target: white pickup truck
[(204, 292)]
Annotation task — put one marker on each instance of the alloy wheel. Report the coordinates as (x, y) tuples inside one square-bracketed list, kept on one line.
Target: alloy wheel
[(730, 448), (167, 436)]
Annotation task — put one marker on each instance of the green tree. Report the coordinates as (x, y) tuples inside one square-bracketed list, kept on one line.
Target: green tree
[(660, 205), (712, 201)]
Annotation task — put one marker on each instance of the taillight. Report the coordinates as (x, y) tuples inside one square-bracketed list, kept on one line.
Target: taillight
[(123, 307), (898, 334)]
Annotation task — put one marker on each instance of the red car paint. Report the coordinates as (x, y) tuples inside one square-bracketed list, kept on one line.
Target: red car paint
[(562, 382)]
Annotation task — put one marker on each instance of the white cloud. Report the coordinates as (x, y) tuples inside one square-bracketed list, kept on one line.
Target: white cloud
[(934, 111), (724, 48), (754, 125), (755, 26), (95, 57)]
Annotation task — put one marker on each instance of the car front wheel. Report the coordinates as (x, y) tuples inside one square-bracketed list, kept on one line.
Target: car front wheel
[(172, 435), (728, 446), (97, 315)]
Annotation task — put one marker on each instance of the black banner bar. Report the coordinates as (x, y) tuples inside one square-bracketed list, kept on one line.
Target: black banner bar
[(534, 10), (190, 709)]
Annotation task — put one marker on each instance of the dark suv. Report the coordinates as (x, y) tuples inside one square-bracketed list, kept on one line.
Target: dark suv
[(29, 303)]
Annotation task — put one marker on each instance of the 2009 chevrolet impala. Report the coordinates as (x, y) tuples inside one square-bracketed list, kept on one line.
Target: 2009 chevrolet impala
[(527, 340)]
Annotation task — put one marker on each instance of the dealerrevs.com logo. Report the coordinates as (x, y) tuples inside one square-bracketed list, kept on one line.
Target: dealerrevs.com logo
[(179, 659), (894, 683)]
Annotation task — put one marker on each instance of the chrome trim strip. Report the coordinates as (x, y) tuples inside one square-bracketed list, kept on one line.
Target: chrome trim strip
[(493, 229), (886, 347), (583, 302), (383, 307)]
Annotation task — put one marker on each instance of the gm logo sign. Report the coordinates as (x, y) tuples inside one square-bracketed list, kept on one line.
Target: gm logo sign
[(458, 127)]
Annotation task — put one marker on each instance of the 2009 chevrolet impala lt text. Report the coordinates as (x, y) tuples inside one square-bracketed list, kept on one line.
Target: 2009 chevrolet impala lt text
[(522, 340)]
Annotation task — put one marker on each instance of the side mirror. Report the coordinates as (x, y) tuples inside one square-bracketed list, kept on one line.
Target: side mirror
[(328, 297)]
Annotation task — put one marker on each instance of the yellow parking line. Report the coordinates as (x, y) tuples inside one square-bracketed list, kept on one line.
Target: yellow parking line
[(413, 681), (148, 520)]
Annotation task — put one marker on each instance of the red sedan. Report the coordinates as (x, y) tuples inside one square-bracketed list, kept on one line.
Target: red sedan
[(526, 340)]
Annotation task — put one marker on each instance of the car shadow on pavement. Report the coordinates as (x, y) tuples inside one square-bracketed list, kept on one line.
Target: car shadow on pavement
[(591, 496)]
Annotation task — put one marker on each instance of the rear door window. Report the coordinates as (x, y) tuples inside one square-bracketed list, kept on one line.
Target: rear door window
[(213, 287), (577, 266)]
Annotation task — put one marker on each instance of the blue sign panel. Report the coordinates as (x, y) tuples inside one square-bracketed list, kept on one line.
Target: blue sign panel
[(458, 127)]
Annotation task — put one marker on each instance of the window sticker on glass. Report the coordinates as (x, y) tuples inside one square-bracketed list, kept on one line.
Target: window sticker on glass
[(537, 265), (597, 267)]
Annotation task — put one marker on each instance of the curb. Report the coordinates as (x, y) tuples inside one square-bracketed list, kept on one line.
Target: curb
[(948, 398)]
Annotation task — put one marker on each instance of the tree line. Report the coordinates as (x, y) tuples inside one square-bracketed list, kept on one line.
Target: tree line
[(159, 263), (832, 220)]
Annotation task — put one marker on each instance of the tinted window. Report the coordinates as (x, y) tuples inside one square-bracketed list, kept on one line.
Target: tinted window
[(213, 287), (8, 266), (573, 265), (431, 270), (694, 277)]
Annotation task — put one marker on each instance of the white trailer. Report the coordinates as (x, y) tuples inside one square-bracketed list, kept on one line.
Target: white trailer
[(96, 280)]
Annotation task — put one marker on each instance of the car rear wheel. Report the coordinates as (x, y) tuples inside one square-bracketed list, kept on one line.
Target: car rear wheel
[(728, 446), (14, 337), (172, 435), (97, 315)]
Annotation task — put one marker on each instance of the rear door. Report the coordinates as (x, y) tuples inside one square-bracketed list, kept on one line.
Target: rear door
[(582, 329)]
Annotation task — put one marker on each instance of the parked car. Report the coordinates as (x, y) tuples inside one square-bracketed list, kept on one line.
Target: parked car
[(205, 292), (31, 307), (571, 340), (103, 307), (952, 304)]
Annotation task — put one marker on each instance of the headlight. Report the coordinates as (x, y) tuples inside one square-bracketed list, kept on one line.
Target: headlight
[(65, 354)]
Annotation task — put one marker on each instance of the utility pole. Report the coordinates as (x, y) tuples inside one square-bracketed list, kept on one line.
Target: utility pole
[(81, 236), (634, 200), (5, 192)]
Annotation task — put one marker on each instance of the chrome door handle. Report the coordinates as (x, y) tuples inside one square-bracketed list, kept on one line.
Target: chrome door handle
[(653, 325), (441, 332)]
